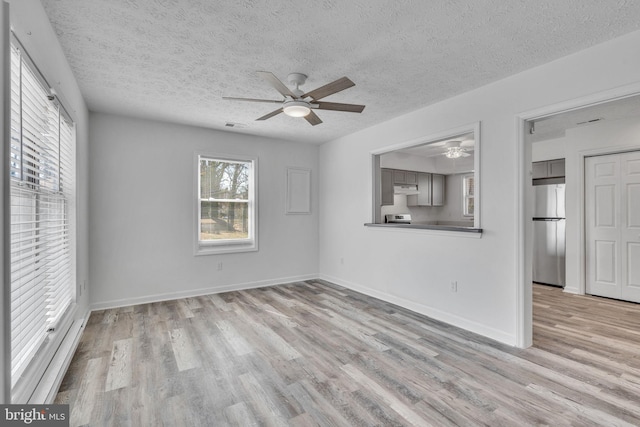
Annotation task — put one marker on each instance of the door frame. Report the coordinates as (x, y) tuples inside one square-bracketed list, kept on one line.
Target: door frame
[(524, 232)]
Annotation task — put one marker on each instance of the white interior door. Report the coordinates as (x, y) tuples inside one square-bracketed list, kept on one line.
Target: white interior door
[(612, 209)]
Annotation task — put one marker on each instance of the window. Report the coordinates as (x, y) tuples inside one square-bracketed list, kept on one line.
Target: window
[(42, 205), (226, 218), (468, 193)]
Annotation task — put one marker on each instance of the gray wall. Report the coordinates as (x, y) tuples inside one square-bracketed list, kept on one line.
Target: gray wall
[(142, 203), (415, 269)]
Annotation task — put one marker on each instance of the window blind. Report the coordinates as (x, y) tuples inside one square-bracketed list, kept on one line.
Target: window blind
[(42, 166)]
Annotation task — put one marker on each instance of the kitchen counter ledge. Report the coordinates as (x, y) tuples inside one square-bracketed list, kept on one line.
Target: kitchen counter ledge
[(427, 227)]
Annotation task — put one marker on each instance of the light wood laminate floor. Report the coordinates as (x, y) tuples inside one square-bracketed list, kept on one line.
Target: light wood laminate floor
[(312, 353)]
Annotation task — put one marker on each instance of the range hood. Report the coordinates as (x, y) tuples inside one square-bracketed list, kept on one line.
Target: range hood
[(407, 189)]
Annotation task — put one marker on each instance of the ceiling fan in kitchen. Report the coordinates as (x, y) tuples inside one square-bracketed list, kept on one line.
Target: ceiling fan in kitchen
[(454, 150), (297, 103)]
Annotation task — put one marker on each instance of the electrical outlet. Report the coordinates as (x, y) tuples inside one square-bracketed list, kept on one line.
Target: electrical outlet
[(454, 286), (220, 266)]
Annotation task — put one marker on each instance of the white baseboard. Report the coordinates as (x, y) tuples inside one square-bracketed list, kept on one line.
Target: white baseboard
[(571, 290), (431, 312), (167, 296)]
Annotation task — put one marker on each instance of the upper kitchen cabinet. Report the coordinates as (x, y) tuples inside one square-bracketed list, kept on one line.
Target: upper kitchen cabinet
[(405, 177), (437, 190), (424, 187), (548, 169), (386, 176), (431, 188)]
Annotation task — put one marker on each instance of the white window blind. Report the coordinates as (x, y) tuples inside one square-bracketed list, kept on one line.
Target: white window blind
[(42, 169), (468, 191)]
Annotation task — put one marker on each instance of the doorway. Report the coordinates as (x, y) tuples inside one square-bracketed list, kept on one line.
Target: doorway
[(597, 125)]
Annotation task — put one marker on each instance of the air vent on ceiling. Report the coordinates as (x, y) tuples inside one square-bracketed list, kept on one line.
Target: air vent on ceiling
[(586, 122), (235, 125)]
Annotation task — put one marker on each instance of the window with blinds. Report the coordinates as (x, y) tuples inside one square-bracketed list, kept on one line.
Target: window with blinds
[(42, 198), (468, 191)]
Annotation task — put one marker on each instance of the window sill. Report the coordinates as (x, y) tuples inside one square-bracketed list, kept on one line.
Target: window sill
[(226, 248), (445, 229)]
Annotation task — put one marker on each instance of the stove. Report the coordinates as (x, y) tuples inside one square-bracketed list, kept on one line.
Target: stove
[(398, 218)]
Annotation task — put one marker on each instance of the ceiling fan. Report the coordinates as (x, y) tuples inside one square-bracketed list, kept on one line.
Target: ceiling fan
[(297, 103), (454, 150)]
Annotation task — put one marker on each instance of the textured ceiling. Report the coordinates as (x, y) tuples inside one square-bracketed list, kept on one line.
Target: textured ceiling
[(174, 60)]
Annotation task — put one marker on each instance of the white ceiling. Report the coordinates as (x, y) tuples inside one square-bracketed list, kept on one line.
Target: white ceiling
[(174, 60), (438, 148), (555, 126)]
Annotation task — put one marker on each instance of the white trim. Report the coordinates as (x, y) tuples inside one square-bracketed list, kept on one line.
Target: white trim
[(523, 243), (168, 296), (431, 312), (524, 234)]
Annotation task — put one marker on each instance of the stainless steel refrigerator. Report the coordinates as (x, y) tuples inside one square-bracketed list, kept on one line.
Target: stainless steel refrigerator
[(549, 235)]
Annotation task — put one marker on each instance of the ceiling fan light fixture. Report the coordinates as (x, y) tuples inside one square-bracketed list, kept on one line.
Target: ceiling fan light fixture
[(296, 109), (454, 152)]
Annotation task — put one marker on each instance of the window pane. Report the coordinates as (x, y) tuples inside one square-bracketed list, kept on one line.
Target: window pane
[(469, 206), (224, 220), (224, 180), (468, 185)]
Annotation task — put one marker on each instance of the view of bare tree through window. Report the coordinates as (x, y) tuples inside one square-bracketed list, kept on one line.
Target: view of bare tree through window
[(224, 199)]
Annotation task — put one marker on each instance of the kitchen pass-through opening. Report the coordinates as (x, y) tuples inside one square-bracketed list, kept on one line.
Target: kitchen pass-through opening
[(429, 183)]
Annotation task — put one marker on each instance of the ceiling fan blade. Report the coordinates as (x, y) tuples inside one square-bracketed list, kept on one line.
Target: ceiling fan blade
[(330, 88), (231, 98), (313, 119), (335, 106), (276, 83), (271, 114)]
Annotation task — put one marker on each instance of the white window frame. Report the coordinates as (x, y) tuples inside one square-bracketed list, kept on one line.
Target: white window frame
[(466, 196), (227, 245)]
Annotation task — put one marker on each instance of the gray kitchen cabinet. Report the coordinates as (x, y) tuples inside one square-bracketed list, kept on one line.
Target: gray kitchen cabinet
[(424, 187), (431, 188), (411, 177), (437, 189), (401, 177), (556, 168), (548, 169), (386, 177), (539, 170)]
